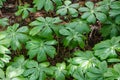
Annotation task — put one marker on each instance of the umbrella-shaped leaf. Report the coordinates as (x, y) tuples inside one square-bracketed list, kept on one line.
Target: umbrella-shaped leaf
[(41, 49)]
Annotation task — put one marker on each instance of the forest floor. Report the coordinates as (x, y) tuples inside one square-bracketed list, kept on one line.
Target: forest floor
[(10, 7)]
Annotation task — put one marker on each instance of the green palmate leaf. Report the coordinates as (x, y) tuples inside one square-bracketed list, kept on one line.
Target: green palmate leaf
[(4, 49), (111, 28), (4, 59), (44, 26), (113, 73), (72, 38), (73, 12), (39, 4), (19, 61), (80, 26), (35, 71), (114, 12), (79, 74), (85, 15), (4, 44), (19, 78), (62, 11), (4, 22), (83, 9), (2, 74), (91, 18), (113, 60), (117, 20), (68, 9), (115, 7), (91, 13), (12, 72), (101, 17), (58, 2), (67, 2), (60, 71), (35, 30), (41, 48), (2, 64), (47, 4), (105, 5), (71, 68), (16, 36), (24, 11), (90, 5), (84, 60), (98, 72), (107, 49), (74, 5)]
